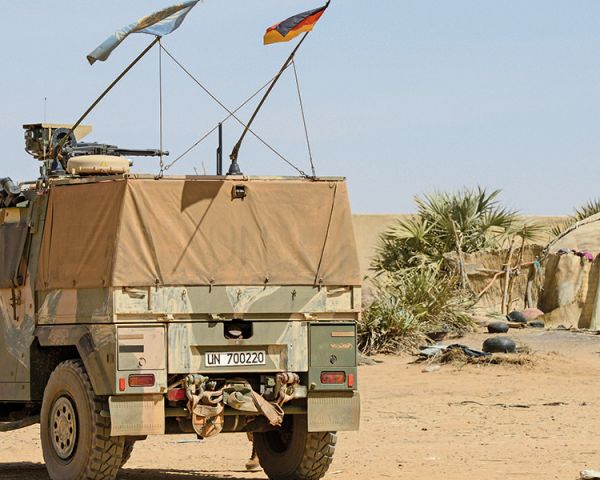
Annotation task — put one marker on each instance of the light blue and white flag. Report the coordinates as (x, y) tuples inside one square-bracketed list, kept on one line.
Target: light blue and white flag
[(158, 23)]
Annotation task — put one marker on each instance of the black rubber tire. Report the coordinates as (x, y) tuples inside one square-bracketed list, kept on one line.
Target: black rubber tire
[(291, 453), (127, 451), (537, 324), (498, 327), (96, 455), (499, 345), (516, 316)]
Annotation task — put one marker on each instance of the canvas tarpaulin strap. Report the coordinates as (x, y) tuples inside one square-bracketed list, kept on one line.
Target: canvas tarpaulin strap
[(141, 232), (12, 241)]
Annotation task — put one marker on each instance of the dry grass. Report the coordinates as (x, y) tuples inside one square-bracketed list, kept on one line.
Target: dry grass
[(458, 358)]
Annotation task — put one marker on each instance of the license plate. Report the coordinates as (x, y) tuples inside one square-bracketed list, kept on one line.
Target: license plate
[(235, 359)]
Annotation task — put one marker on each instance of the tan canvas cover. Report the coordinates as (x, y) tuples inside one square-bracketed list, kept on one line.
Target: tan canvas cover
[(12, 242), (139, 232), (78, 245)]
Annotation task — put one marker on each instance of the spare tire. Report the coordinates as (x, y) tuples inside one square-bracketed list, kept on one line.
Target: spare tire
[(537, 324), (498, 327), (499, 345), (516, 316)]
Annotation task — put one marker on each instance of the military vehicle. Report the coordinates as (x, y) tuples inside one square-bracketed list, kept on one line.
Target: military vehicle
[(135, 305)]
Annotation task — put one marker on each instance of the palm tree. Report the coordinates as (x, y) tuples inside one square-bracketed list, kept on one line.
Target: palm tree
[(462, 222), (592, 207), (417, 288)]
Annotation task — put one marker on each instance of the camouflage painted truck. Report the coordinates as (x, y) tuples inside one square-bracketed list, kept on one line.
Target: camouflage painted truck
[(134, 306)]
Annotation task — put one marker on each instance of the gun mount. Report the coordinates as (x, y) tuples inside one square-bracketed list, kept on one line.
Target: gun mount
[(41, 139), (47, 143)]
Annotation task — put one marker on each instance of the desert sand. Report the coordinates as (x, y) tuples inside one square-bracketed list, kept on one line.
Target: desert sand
[(460, 422)]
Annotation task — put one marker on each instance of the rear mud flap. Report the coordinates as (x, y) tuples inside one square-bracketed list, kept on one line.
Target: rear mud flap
[(333, 412), (135, 415)]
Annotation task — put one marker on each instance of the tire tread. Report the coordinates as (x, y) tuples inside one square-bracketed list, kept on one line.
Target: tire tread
[(106, 451)]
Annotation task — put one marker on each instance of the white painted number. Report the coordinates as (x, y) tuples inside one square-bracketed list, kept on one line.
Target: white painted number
[(230, 359)]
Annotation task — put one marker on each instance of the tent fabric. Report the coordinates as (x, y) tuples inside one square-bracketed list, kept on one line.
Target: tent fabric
[(139, 232), (12, 242)]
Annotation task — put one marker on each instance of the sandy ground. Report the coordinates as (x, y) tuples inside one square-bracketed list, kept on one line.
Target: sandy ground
[(487, 422)]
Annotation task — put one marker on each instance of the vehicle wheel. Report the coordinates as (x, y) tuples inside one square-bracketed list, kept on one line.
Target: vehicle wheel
[(127, 451), (291, 453), (76, 441)]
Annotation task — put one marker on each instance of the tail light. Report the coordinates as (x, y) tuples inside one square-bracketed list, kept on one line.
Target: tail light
[(333, 378), (176, 395), (141, 380), (350, 380)]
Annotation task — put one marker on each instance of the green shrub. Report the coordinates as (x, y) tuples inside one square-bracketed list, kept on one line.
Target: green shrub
[(409, 304)]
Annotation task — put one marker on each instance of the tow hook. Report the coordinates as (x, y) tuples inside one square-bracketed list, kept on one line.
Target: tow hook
[(207, 405), (285, 387), (194, 384)]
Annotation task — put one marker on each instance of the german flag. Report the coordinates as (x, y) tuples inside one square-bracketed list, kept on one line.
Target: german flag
[(294, 26)]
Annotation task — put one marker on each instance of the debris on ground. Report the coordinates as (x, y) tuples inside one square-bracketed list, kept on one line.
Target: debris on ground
[(433, 350), (431, 368), (508, 405), (457, 357), (364, 360), (589, 474), (461, 355), (517, 325)]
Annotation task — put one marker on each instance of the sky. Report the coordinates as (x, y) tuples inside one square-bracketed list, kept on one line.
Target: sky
[(401, 97)]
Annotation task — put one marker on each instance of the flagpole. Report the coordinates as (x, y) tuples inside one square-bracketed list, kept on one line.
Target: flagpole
[(160, 101), (105, 92), (234, 168)]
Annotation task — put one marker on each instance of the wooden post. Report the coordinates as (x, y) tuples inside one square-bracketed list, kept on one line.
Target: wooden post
[(511, 282), (507, 269)]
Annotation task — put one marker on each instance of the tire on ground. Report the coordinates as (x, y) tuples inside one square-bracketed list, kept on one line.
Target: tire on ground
[(536, 324), (291, 453), (516, 316), (90, 453), (498, 327), (499, 345)]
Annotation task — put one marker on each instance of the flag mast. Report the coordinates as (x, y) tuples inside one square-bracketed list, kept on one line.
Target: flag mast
[(159, 23), (281, 32), (108, 89), (234, 168)]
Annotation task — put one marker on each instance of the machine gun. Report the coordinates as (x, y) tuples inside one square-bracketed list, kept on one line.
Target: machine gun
[(79, 149), (47, 143)]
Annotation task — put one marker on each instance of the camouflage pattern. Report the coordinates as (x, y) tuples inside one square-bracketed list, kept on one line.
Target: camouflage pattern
[(167, 331), (17, 307), (104, 305)]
